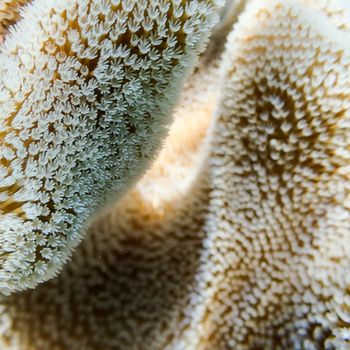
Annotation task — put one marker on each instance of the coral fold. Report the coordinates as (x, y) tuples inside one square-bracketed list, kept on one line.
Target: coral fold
[(238, 237)]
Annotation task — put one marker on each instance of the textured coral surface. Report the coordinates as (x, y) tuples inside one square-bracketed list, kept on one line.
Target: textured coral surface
[(10, 14), (238, 237), (86, 91), (129, 280)]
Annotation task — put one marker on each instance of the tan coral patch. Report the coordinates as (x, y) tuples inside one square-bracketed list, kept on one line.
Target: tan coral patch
[(10, 14)]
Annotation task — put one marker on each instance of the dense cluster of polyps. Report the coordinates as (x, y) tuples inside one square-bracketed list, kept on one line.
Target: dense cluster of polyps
[(9, 14), (128, 283), (86, 92), (278, 244), (254, 251)]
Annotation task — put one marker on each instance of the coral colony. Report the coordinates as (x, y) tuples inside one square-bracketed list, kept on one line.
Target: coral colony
[(175, 209), (87, 89)]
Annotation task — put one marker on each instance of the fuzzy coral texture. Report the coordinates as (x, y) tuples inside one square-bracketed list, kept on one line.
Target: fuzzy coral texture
[(10, 14), (238, 237), (86, 93)]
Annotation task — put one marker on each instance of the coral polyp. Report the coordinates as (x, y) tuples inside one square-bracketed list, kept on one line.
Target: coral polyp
[(86, 94), (238, 237), (10, 14)]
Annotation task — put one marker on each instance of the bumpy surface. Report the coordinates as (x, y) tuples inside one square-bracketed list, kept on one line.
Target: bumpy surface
[(129, 281), (86, 90), (251, 250), (338, 12), (275, 270), (9, 14)]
